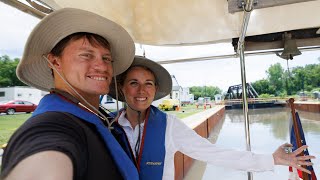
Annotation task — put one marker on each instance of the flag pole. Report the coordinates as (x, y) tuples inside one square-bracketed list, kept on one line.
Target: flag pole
[(297, 133)]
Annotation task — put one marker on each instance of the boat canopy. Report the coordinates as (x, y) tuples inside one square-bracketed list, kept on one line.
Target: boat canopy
[(190, 22)]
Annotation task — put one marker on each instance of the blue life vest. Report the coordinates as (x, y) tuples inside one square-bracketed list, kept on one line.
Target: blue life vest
[(54, 102), (152, 150)]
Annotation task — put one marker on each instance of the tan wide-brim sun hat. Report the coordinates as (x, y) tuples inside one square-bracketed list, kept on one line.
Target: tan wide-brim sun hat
[(33, 69), (162, 75)]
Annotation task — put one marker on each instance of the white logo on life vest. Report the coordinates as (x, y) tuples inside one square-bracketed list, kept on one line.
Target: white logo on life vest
[(153, 163)]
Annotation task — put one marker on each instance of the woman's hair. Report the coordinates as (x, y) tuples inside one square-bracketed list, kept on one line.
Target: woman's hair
[(94, 40), (123, 76)]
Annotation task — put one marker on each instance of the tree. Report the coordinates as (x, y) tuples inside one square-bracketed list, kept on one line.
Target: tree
[(285, 82), (275, 77), (299, 78), (8, 72), (312, 76), (288, 84), (306, 78), (262, 86), (196, 91), (204, 91)]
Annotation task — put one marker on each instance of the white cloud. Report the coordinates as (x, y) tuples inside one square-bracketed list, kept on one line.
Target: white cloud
[(15, 28)]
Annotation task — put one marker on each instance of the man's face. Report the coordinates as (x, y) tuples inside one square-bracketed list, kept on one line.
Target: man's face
[(86, 67), (139, 88)]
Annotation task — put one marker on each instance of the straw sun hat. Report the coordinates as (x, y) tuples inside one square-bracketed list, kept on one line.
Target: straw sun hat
[(162, 76), (33, 68)]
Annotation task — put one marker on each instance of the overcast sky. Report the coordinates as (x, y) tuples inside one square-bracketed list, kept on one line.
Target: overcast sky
[(16, 26)]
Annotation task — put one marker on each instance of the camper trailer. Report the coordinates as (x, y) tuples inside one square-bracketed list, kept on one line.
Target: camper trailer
[(21, 93)]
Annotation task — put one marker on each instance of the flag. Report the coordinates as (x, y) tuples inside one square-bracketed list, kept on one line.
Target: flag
[(294, 173)]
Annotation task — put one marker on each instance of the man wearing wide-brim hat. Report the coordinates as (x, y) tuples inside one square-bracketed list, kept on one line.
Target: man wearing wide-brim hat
[(73, 54)]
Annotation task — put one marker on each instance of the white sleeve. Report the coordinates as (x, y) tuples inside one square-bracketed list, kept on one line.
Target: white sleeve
[(190, 143)]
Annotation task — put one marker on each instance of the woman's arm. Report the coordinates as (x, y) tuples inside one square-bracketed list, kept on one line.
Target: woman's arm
[(188, 142), (281, 157)]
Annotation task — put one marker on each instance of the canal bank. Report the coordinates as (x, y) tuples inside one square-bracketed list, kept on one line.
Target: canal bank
[(202, 123), (309, 106)]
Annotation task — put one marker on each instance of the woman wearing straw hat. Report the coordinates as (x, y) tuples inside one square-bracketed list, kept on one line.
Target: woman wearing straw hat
[(151, 137), (73, 54)]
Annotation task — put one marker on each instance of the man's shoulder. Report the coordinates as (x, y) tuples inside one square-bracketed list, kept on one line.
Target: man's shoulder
[(52, 118)]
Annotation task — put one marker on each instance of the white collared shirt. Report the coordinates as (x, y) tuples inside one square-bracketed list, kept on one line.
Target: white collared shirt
[(179, 137), (132, 133)]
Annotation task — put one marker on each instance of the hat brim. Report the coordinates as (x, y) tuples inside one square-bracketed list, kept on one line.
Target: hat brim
[(162, 75), (33, 69)]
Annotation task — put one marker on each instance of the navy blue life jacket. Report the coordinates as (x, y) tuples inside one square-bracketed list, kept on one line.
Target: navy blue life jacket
[(54, 102), (150, 162)]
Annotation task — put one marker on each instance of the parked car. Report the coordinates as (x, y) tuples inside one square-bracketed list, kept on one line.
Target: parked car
[(169, 104), (11, 107)]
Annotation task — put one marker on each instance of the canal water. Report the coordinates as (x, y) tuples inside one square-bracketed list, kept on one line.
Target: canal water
[(269, 128)]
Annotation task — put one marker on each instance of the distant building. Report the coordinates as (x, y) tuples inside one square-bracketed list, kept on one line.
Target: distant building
[(177, 92), (316, 95), (22, 93), (34, 95), (218, 98), (186, 97), (110, 103)]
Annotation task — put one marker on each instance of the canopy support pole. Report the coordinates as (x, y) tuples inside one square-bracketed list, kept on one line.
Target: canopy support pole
[(247, 12), (245, 104)]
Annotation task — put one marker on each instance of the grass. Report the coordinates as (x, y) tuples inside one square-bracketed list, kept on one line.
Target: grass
[(8, 124), (186, 111)]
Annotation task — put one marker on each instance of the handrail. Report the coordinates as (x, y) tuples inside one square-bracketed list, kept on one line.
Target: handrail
[(257, 100)]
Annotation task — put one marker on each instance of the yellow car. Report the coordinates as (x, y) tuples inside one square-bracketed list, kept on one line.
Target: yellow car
[(169, 104), (3, 146)]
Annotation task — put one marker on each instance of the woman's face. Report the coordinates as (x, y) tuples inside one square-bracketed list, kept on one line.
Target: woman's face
[(139, 88)]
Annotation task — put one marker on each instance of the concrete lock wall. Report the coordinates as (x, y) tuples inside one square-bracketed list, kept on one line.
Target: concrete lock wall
[(308, 106), (202, 123)]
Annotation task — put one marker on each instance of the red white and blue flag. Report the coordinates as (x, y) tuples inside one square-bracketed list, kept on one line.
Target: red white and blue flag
[(294, 173)]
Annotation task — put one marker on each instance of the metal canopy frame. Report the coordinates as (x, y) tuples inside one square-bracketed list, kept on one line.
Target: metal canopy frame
[(24, 8), (236, 5), (39, 11)]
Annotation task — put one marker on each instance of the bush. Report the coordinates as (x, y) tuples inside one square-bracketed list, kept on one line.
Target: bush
[(265, 96), (283, 95)]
